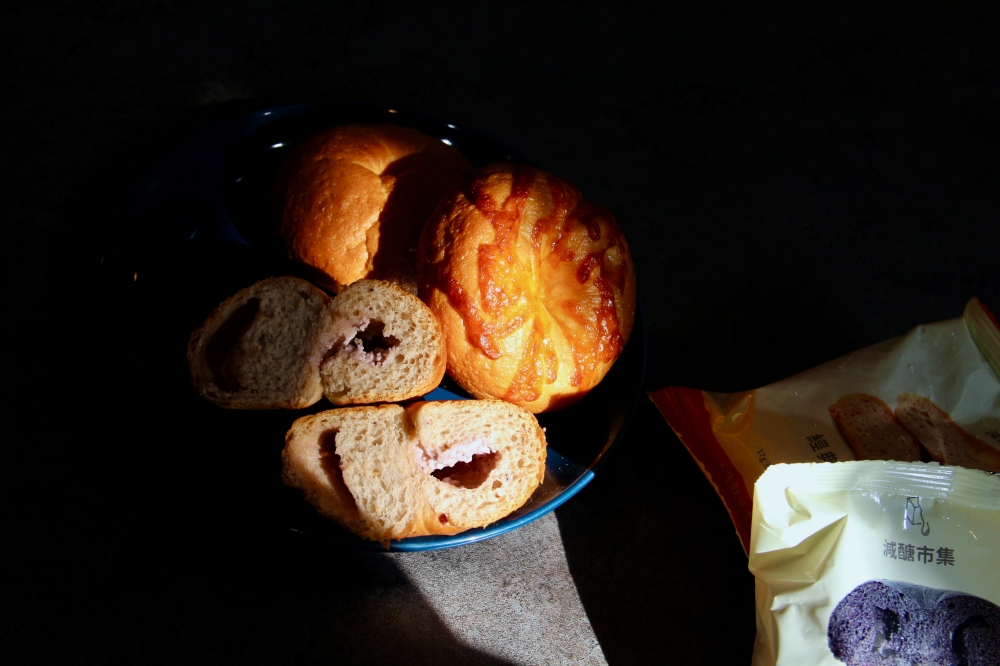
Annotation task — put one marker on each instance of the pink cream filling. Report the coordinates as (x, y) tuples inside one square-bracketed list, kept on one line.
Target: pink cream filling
[(430, 461), (352, 346), (377, 357), (346, 331)]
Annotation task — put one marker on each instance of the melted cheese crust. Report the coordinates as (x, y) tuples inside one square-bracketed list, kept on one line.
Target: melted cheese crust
[(534, 284)]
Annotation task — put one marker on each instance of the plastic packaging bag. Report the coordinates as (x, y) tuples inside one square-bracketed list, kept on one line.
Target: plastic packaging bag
[(932, 394), (876, 563)]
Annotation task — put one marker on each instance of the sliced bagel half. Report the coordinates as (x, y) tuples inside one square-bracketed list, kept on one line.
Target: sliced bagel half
[(433, 468)]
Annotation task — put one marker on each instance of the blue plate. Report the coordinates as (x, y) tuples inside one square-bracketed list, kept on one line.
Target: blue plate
[(195, 230)]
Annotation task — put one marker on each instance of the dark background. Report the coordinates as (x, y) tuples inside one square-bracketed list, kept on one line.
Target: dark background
[(796, 181)]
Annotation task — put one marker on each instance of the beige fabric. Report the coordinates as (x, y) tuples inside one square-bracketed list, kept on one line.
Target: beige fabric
[(511, 597)]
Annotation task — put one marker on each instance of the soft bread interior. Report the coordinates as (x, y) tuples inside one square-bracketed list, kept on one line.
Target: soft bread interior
[(224, 347), (372, 444), (387, 346), (479, 459), (259, 348)]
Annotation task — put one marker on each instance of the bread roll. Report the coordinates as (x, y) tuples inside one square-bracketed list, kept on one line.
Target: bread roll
[(354, 198), (872, 430), (260, 349), (534, 286), (433, 468), (388, 346)]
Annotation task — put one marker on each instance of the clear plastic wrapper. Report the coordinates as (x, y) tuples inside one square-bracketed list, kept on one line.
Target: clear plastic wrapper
[(871, 562), (930, 395)]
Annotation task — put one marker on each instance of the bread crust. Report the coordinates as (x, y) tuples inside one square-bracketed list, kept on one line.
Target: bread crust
[(534, 286), (309, 463), (353, 199)]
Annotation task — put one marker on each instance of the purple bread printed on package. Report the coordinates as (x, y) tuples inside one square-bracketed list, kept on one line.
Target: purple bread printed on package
[(903, 624)]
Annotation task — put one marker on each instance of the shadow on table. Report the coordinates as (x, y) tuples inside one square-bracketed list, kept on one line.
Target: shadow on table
[(150, 547), (128, 517), (266, 602), (168, 557), (652, 553), (649, 543)]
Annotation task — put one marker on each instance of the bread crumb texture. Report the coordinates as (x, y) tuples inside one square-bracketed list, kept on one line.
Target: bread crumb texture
[(432, 468), (257, 350), (385, 345)]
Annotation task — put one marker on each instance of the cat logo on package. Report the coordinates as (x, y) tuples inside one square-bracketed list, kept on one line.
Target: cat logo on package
[(915, 515)]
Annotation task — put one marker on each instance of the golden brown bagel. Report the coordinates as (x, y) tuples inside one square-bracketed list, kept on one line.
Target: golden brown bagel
[(534, 286), (354, 198)]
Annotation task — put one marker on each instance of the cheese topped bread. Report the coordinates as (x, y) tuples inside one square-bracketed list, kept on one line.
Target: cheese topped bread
[(534, 286)]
